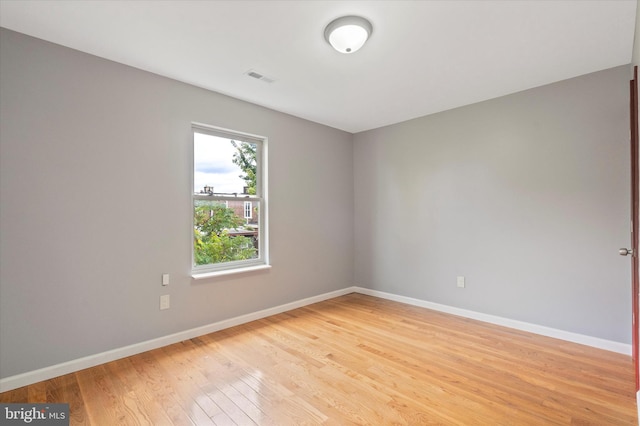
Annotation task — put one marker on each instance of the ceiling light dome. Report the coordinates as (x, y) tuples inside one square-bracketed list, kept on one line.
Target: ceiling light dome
[(348, 33)]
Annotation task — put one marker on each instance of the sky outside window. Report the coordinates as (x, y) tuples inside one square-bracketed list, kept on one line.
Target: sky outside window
[(213, 165)]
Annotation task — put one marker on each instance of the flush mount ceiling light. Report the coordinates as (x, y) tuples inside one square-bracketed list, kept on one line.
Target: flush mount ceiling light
[(348, 34)]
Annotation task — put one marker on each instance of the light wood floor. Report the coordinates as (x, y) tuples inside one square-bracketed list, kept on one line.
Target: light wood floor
[(353, 360)]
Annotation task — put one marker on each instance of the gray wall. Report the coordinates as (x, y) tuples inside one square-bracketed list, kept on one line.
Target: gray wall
[(527, 196), (95, 206), (636, 39)]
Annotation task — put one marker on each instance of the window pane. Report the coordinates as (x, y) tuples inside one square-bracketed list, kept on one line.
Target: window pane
[(223, 166), (226, 223), (222, 233)]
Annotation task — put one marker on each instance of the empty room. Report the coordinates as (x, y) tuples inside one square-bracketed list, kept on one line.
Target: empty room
[(319, 212)]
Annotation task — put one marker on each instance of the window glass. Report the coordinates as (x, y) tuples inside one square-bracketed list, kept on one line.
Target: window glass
[(228, 195)]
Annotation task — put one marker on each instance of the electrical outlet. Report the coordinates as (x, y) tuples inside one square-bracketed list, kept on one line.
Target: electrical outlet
[(460, 282), (165, 279), (165, 302)]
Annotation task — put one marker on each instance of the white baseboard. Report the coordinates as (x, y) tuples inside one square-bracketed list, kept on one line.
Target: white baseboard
[(46, 373), (638, 405), (596, 342)]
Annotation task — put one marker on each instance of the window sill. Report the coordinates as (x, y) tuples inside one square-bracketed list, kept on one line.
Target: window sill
[(205, 275)]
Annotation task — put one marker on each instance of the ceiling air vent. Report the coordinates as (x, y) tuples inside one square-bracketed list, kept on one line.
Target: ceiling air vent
[(258, 76)]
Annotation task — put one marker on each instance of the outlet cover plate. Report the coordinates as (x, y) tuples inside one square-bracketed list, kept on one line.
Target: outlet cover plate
[(165, 302)]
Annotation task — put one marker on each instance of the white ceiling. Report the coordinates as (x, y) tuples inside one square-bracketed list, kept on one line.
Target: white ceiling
[(423, 56)]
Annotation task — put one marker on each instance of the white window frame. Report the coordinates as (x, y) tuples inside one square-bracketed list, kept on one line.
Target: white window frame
[(247, 208), (260, 199)]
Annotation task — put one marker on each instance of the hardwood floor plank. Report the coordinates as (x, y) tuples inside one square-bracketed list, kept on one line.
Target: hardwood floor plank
[(354, 359), (104, 401), (157, 380), (535, 373), (178, 376), (37, 392), (65, 389), (349, 362), (430, 390), (148, 407), (283, 405)]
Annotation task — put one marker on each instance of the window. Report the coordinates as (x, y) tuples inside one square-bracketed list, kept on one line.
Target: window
[(229, 200)]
